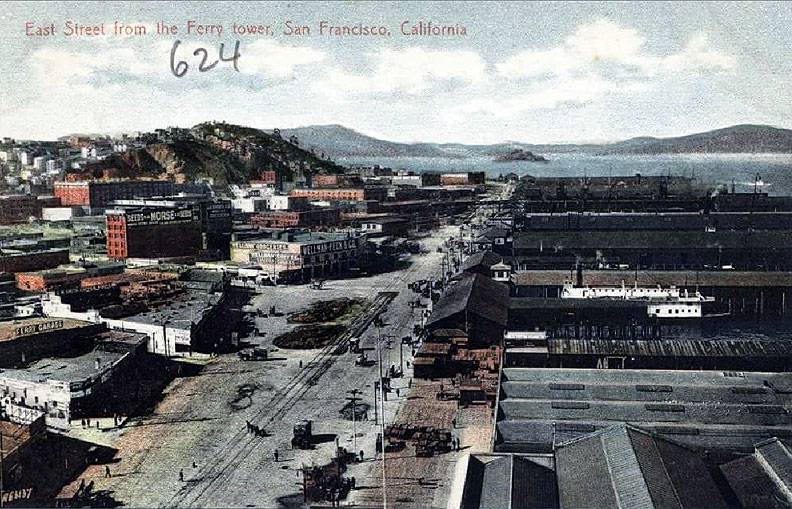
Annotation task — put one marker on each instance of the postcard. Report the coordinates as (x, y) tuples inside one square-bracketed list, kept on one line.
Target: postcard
[(437, 254)]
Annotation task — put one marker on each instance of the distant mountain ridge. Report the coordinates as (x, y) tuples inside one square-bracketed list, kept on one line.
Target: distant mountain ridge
[(339, 141)]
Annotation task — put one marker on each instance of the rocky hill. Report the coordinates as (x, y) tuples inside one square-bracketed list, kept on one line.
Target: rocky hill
[(221, 154)]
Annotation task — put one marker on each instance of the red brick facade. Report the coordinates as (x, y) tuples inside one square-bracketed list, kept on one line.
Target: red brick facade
[(48, 281), (293, 219), (100, 194), (164, 238), (342, 194)]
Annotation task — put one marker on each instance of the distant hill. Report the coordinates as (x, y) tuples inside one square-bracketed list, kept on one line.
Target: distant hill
[(736, 139), (340, 141)]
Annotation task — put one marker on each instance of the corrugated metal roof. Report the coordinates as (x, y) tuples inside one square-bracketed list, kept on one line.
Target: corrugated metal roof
[(671, 347), (681, 278), (475, 293)]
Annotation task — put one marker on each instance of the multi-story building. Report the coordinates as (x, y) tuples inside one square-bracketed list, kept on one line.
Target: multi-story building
[(12, 260), (215, 217), (154, 232), (300, 255), (63, 388), (462, 179), (99, 194), (297, 219), (342, 194), (335, 181), (19, 208)]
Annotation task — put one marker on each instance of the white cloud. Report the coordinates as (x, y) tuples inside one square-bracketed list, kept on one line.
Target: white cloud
[(697, 55), (410, 71), (605, 46)]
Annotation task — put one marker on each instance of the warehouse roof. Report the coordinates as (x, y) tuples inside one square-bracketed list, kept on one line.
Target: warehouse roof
[(506, 481), (687, 240), (539, 406), (689, 278), (482, 259), (671, 347), (526, 303), (760, 480), (624, 466), (477, 294)]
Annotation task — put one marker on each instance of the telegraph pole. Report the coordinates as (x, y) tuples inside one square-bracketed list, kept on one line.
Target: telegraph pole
[(354, 393), (382, 423), (376, 419)]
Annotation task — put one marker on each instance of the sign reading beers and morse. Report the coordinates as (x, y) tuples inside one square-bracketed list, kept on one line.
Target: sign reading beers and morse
[(170, 216)]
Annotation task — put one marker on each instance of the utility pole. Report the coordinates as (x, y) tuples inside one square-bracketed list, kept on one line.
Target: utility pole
[(2, 467), (401, 357), (376, 386), (354, 393), (382, 423)]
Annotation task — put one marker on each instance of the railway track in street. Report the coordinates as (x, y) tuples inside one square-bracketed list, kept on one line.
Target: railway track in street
[(242, 444)]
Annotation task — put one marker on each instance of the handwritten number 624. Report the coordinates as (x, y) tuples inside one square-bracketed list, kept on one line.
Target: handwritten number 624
[(181, 67)]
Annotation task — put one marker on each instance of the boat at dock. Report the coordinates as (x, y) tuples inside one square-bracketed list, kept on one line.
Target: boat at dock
[(664, 303)]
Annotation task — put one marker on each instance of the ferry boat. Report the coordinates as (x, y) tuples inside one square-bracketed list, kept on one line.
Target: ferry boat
[(661, 302)]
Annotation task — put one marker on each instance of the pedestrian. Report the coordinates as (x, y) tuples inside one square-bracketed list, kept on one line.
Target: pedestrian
[(195, 465), (397, 392), (88, 422), (82, 484), (181, 475), (361, 455), (107, 472), (300, 363), (276, 455), (82, 421), (453, 422)]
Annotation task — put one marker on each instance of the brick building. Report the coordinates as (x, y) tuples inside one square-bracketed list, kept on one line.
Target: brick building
[(95, 194), (336, 181), (19, 208), (215, 218), (26, 261), (48, 280), (151, 232), (462, 179), (342, 194), (300, 256), (297, 219), (268, 177)]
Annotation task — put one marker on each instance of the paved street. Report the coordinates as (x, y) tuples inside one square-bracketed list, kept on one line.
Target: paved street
[(200, 426)]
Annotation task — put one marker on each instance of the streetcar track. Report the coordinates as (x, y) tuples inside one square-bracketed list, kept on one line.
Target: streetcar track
[(284, 400)]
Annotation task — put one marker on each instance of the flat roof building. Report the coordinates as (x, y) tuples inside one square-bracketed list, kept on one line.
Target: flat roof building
[(715, 410), (299, 255), (154, 232)]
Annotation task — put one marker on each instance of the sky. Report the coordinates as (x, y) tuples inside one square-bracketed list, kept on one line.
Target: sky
[(530, 72)]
